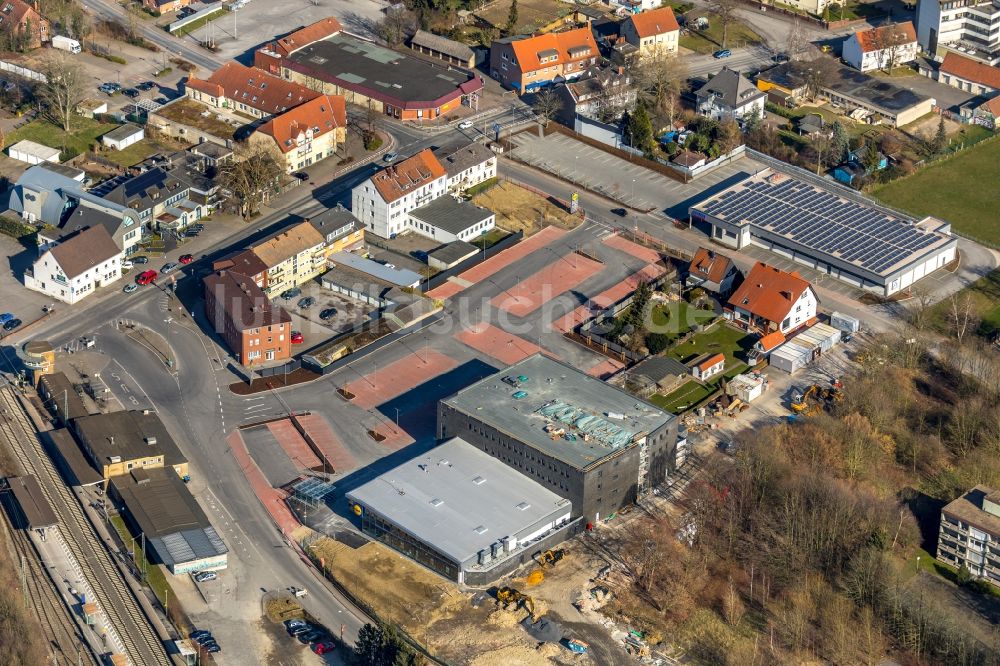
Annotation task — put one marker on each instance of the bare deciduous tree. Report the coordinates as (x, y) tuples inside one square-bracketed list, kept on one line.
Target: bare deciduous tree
[(63, 88), (725, 13), (963, 316), (397, 25), (252, 176), (662, 76), (547, 104)]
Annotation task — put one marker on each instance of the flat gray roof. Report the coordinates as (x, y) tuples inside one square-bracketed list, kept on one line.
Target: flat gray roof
[(126, 434), (77, 470), (35, 507), (453, 251), (611, 419), (121, 133), (460, 500), (399, 277), (465, 157), (450, 214)]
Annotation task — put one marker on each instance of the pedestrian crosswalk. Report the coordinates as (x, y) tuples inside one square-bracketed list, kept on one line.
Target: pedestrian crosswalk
[(599, 230)]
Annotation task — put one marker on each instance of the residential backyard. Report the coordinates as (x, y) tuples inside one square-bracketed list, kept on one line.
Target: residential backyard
[(677, 318), (962, 190), (83, 133), (709, 40)]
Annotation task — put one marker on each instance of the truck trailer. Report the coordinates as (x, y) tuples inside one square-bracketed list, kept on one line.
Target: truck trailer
[(66, 44)]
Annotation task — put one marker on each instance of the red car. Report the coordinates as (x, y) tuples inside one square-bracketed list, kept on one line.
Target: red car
[(324, 647), (296, 338), (145, 277), (186, 258)]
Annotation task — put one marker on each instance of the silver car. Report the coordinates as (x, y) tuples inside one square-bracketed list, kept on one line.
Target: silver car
[(167, 268)]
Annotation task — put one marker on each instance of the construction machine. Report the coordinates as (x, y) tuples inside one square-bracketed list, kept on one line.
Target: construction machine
[(550, 558), (800, 400), (508, 595)]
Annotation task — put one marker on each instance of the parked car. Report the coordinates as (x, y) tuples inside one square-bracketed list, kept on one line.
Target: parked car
[(6, 317), (309, 637), (205, 576), (290, 624), (161, 100), (289, 294), (306, 302), (204, 638), (509, 380), (620, 212), (213, 648), (465, 124), (297, 338), (722, 53), (126, 265), (186, 258), (145, 277), (328, 313), (301, 175), (139, 259), (390, 156), (146, 85), (300, 629), (198, 633), (169, 266), (192, 233), (131, 93), (129, 288), (324, 647), (12, 324)]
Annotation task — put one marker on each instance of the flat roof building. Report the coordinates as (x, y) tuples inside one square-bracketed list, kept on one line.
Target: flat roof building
[(969, 533), (461, 512), (37, 513), (158, 505), (448, 219), (60, 397), (118, 442), (585, 440), (835, 232)]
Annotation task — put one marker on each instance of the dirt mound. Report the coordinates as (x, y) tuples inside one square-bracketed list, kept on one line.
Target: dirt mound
[(505, 618), (515, 654)]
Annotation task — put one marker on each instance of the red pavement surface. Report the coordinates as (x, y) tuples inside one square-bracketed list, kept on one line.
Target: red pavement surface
[(294, 446), (501, 345), (616, 293), (399, 377), (636, 250), (499, 261), (606, 368), (395, 438), (273, 500), (568, 322), (559, 276), (336, 454)]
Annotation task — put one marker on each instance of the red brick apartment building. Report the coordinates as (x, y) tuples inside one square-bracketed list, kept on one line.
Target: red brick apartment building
[(256, 330)]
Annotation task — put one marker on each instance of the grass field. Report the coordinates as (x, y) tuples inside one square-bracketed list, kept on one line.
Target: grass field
[(519, 209), (134, 154), (531, 14), (710, 40), (687, 395), (985, 294), (962, 190), (83, 133), (720, 338), (677, 318)]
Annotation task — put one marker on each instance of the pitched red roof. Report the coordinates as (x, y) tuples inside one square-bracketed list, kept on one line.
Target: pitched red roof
[(321, 115), (710, 265), (769, 292), (254, 87), (876, 39), (971, 70), (771, 340), (304, 36), (711, 360), (993, 106), (527, 50), (654, 22), (16, 12), (395, 181)]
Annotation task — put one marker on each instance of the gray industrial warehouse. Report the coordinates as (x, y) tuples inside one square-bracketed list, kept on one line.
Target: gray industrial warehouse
[(462, 513), (835, 232), (585, 440), (161, 511)]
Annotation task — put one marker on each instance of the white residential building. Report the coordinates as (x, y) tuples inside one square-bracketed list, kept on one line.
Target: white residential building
[(413, 196), (77, 266), (966, 25), (468, 166), (772, 300), (969, 533), (730, 95), (653, 32), (885, 47)]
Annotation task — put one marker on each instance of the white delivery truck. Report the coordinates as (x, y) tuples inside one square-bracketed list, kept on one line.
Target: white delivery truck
[(66, 44)]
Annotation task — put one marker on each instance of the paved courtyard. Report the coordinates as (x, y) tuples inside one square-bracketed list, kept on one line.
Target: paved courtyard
[(621, 180)]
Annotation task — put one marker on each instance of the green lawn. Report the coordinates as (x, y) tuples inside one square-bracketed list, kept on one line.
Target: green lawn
[(985, 294), (84, 132), (155, 577), (963, 190), (720, 338), (491, 238), (134, 154), (677, 318), (710, 40), (684, 397)]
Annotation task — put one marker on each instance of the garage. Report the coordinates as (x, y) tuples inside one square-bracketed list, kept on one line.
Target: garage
[(33, 153)]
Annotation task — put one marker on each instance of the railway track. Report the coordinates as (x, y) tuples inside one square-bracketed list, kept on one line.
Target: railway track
[(65, 642), (142, 646)]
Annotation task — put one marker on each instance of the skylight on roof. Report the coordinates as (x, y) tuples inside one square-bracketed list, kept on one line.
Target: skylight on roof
[(480, 530)]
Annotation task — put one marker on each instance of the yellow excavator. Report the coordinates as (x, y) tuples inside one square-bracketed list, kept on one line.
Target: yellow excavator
[(508, 595), (550, 558), (800, 402)]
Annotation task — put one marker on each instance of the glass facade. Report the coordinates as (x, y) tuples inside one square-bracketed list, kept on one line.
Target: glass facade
[(392, 536)]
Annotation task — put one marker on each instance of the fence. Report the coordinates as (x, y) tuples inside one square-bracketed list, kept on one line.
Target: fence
[(621, 152), (14, 68)]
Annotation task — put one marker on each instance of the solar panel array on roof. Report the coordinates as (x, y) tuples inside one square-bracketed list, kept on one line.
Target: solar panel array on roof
[(820, 220)]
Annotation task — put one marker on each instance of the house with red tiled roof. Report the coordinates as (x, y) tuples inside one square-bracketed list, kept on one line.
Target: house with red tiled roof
[(970, 75), (986, 114), (248, 90), (712, 272), (304, 36), (526, 63), (652, 32), (884, 47), (707, 366), (772, 300), (22, 19), (308, 133)]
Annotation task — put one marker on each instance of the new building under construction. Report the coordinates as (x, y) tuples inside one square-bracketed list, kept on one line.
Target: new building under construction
[(585, 440)]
